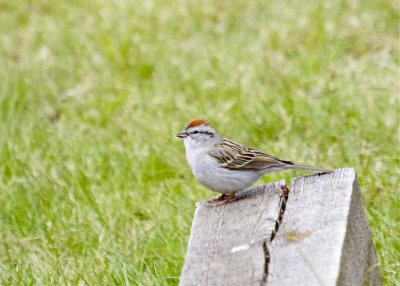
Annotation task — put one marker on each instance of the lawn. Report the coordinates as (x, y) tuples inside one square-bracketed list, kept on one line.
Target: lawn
[(94, 186)]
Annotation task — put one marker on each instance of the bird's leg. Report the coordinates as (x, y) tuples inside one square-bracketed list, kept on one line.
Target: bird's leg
[(221, 200)]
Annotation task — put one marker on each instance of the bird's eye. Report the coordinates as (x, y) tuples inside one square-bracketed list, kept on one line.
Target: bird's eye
[(195, 132)]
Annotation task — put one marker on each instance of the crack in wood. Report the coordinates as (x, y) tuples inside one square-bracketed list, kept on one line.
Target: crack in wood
[(233, 237), (267, 257), (231, 244), (283, 200)]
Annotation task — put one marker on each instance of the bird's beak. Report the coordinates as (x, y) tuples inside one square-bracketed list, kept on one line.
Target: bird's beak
[(182, 134)]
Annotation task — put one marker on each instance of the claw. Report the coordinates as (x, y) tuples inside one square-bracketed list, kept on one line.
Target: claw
[(221, 200)]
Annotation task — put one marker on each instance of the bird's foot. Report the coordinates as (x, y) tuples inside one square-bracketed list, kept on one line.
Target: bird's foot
[(221, 200)]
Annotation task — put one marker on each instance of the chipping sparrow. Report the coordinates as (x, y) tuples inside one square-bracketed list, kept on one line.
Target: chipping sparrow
[(225, 166)]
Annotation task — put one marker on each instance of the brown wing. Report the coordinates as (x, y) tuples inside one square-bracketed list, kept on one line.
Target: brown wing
[(236, 156)]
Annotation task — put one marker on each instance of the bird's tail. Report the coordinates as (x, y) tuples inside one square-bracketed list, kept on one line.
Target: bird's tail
[(309, 168)]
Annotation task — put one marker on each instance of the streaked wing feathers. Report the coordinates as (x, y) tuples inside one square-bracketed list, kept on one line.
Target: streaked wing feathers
[(236, 156)]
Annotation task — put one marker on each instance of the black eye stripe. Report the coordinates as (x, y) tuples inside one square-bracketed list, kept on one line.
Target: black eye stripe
[(201, 132)]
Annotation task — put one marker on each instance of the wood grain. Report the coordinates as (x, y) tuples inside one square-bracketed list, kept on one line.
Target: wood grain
[(227, 243), (324, 238), (337, 249)]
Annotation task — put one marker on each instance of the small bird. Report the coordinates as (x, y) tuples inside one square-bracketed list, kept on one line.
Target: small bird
[(225, 166)]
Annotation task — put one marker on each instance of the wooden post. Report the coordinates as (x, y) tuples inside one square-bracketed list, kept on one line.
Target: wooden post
[(318, 236)]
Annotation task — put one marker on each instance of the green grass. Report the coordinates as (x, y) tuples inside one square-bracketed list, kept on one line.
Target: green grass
[(94, 187)]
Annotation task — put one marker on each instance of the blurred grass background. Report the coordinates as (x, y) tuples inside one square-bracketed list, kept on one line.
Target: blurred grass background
[(94, 187)]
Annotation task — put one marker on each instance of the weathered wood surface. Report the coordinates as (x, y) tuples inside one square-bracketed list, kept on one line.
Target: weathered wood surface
[(324, 238), (227, 243)]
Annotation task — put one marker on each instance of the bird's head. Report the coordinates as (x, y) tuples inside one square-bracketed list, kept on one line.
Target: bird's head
[(199, 134)]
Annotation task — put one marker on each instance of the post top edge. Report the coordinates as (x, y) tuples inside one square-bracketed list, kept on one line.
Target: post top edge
[(348, 172)]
